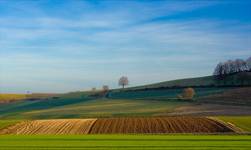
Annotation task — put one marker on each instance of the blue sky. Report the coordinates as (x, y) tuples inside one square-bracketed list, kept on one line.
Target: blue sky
[(60, 46)]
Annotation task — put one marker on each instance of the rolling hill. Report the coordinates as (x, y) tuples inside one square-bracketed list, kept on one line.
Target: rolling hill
[(227, 96), (236, 79)]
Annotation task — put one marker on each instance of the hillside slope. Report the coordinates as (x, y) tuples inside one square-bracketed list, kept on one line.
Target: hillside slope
[(151, 100), (237, 79), (239, 96)]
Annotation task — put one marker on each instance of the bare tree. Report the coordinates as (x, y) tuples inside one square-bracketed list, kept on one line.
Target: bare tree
[(105, 88), (123, 81), (93, 89), (230, 66), (241, 65), (248, 61), (218, 71)]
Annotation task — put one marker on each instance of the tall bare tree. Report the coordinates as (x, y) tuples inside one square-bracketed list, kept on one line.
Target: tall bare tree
[(218, 71), (241, 65), (123, 81), (93, 89), (248, 61), (230, 66)]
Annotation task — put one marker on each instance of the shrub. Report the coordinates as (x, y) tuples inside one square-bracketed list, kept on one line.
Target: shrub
[(187, 94)]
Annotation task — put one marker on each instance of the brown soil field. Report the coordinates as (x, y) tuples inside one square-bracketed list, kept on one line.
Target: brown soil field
[(54, 127), (158, 125), (139, 125)]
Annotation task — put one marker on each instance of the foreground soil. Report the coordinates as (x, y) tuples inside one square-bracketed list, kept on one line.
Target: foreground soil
[(138, 125)]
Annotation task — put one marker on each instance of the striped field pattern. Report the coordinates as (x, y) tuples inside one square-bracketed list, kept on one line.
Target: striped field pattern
[(132, 125)]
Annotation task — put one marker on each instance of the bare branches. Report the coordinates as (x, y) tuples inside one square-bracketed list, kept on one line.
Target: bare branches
[(231, 66), (123, 81)]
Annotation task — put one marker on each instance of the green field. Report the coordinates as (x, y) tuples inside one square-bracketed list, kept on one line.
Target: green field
[(80, 105), (164, 93), (243, 122), (124, 103), (135, 142), (95, 108)]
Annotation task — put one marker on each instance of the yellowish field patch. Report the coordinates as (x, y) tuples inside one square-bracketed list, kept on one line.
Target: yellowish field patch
[(11, 97)]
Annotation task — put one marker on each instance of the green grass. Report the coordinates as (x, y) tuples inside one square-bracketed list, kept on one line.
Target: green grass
[(104, 108), (13, 110), (6, 123), (79, 105), (149, 102), (135, 142), (243, 122), (125, 103)]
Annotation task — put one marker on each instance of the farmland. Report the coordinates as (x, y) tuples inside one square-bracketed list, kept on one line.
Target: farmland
[(136, 125), (6, 98), (132, 103), (158, 125), (6, 123), (83, 107), (107, 142), (243, 122), (96, 140), (238, 96), (164, 93), (54, 127)]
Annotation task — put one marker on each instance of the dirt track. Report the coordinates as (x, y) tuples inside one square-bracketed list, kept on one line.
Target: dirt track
[(139, 125)]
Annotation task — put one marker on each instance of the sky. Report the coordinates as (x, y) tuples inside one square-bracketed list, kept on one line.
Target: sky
[(72, 45)]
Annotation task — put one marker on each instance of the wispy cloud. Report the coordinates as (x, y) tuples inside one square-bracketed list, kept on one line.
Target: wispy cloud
[(92, 44)]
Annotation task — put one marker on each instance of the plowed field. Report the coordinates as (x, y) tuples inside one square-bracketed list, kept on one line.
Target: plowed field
[(55, 127), (140, 125), (158, 125)]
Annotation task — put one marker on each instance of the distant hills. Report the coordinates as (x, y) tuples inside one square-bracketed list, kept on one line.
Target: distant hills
[(214, 96)]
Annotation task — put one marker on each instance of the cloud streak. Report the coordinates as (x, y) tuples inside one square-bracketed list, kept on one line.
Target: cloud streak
[(93, 44)]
